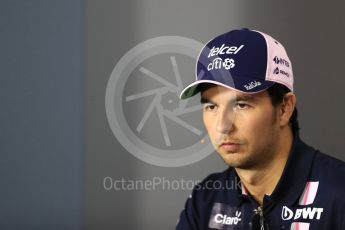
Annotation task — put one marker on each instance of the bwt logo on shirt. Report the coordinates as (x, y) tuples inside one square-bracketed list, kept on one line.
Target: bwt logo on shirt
[(302, 213)]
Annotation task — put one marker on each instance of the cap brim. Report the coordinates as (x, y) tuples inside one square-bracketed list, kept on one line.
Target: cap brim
[(246, 85)]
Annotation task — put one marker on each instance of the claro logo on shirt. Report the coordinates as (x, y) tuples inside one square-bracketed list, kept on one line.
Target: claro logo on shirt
[(301, 213), (224, 216)]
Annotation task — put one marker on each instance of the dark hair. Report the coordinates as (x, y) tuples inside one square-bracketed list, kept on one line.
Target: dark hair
[(277, 93)]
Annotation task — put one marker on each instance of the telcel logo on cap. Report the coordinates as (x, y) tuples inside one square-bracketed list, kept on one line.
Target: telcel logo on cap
[(224, 50)]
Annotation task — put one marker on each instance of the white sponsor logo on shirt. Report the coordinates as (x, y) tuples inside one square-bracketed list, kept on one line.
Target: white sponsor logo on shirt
[(301, 213), (228, 220)]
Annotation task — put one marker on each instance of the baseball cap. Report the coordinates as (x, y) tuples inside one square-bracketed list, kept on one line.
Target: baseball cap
[(244, 60)]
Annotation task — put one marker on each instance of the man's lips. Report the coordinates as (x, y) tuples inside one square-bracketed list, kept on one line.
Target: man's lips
[(230, 146)]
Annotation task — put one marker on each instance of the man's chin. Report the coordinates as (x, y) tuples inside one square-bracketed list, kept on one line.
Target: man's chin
[(237, 161)]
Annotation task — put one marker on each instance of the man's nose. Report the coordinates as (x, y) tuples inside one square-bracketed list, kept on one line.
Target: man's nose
[(225, 121)]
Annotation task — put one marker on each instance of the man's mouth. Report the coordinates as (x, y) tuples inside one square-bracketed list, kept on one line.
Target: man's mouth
[(230, 146)]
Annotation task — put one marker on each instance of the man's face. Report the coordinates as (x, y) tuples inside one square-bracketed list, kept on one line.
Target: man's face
[(243, 128)]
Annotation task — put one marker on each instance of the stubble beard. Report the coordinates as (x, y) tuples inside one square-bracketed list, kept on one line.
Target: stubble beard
[(254, 160), (259, 159)]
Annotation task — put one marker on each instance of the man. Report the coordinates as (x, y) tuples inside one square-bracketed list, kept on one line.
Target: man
[(245, 80)]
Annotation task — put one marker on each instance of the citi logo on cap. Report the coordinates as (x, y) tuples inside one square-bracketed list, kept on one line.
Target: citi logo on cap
[(224, 49), (218, 63)]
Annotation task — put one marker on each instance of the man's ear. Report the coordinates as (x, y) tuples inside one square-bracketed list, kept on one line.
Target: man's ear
[(286, 109)]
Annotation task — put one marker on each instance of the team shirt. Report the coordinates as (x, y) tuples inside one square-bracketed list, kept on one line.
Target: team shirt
[(309, 195)]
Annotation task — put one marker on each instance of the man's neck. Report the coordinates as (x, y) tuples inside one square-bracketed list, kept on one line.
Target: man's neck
[(262, 181)]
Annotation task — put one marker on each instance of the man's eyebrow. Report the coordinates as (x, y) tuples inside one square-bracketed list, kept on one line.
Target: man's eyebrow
[(204, 100), (243, 98)]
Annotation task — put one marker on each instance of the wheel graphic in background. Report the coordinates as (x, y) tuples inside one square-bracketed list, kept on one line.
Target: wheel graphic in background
[(143, 107)]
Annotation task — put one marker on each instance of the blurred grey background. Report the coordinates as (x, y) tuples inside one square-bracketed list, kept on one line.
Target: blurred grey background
[(56, 144), (41, 114)]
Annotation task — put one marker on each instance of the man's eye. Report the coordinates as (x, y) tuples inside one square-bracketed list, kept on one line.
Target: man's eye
[(240, 105), (209, 107)]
